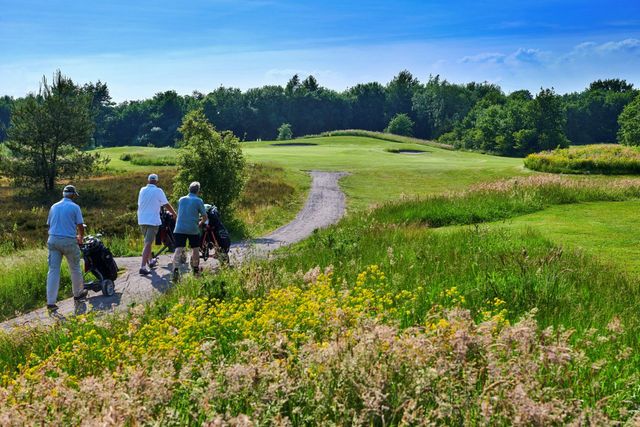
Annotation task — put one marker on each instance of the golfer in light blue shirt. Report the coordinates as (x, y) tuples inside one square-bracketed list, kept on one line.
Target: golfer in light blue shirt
[(66, 231), (191, 214)]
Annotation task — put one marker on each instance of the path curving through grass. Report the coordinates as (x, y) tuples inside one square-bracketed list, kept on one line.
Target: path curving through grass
[(325, 205)]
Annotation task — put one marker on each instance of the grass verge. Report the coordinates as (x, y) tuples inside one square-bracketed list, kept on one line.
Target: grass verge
[(605, 230), (598, 158), (505, 199), (23, 283)]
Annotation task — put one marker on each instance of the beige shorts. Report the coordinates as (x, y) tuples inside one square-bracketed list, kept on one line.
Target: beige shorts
[(149, 232)]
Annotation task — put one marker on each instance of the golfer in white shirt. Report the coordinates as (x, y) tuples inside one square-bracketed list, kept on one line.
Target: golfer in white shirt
[(150, 200)]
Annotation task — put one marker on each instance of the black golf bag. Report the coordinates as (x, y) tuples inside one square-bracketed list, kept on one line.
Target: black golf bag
[(98, 260), (164, 236), (215, 238), (219, 230)]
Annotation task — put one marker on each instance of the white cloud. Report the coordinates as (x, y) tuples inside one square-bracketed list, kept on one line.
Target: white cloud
[(630, 46), (528, 56), (484, 58), (589, 49), (519, 57)]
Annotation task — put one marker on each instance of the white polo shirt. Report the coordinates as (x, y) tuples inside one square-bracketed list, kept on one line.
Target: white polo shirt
[(150, 200)]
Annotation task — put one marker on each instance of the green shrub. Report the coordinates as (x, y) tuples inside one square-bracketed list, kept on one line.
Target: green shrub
[(284, 132), (400, 124), (629, 120), (212, 158)]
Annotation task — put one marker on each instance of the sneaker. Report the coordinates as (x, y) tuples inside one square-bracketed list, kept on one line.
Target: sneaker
[(83, 294), (51, 308), (153, 262), (175, 276), (144, 272), (196, 271)]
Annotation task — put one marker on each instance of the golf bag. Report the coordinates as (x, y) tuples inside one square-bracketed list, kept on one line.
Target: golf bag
[(98, 258), (219, 230), (164, 236), (99, 261), (215, 237)]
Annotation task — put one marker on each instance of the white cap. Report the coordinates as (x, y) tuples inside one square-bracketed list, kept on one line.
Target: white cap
[(153, 177)]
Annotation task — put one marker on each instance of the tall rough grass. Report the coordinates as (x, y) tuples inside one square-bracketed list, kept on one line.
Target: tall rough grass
[(505, 199), (23, 278), (597, 158), (319, 351), (150, 159)]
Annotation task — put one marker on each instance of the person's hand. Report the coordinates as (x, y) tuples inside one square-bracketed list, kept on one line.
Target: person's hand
[(79, 239)]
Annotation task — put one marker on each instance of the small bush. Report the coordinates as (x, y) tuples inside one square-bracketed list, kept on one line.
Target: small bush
[(400, 124), (598, 158), (125, 157), (213, 158), (284, 132)]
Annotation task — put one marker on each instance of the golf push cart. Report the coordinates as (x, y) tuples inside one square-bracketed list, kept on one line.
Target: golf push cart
[(99, 261)]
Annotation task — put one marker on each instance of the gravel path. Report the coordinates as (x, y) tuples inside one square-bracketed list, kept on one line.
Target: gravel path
[(325, 206)]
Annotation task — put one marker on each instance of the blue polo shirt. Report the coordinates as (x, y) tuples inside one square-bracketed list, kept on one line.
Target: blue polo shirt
[(64, 218), (189, 210)]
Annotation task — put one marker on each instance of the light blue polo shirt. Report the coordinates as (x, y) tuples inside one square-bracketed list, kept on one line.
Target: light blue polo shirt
[(64, 218), (189, 210)]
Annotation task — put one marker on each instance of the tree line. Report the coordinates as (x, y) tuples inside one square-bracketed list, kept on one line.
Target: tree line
[(477, 116)]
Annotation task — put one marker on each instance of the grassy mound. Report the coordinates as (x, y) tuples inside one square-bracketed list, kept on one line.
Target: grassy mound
[(597, 158), (385, 137)]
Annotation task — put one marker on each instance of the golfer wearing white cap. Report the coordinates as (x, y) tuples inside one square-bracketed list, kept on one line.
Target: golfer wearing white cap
[(150, 200)]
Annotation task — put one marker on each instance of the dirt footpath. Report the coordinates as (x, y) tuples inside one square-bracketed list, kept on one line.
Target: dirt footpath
[(325, 206)]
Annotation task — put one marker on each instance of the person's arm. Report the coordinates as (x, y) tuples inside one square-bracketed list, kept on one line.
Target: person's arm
[(80, 235), (165, 203), (168, 207), (203, 215), (79, 226)]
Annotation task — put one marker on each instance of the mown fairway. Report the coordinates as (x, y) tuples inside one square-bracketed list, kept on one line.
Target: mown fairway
[(377, 175), (606, 230)]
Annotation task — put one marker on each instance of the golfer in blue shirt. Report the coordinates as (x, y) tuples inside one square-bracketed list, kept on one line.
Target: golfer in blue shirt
[(191, 214), (66, 231)]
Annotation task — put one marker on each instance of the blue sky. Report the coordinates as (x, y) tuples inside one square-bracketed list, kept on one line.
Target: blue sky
[(143, 47)]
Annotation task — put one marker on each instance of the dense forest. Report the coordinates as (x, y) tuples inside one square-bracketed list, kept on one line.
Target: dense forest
[(474, 115)]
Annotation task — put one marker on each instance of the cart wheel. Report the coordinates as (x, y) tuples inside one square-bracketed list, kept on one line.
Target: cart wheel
[(108, 288)]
